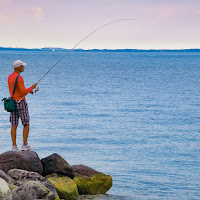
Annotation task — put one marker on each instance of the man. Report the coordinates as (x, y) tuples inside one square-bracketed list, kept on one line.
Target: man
[(21, 107)]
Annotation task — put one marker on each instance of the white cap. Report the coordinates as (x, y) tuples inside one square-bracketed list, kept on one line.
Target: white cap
[(18, 63)]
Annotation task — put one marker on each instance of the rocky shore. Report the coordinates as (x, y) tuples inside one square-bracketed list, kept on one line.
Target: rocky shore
[(24, 176)]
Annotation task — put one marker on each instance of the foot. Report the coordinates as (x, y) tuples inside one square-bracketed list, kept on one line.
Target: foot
[(26, 147), (14, 148)]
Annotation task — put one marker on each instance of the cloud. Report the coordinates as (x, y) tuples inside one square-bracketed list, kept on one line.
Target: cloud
[(37, 13)]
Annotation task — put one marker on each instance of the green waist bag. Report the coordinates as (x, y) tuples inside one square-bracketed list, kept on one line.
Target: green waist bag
[(9, 103)]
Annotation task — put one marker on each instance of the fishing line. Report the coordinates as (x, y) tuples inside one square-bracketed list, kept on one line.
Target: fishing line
[(76, 46), (80, 42)]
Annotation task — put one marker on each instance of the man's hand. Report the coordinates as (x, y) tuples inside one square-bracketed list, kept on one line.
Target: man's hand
[(34, 85)]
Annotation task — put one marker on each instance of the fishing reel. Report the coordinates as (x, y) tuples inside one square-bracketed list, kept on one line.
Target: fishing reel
[(36, 90)]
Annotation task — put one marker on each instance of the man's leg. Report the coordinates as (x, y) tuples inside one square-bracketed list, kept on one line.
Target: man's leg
[(25, 146), (14, 134), (14, 118), (25, 133), (24, 115)]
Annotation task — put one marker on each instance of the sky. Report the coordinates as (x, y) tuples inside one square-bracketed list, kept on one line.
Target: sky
[(159, 24)]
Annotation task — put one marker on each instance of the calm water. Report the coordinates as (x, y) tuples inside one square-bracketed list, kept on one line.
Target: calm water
[(135, 116)]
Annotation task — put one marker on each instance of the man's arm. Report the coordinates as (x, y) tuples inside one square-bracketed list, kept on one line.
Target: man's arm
[(22, 88)]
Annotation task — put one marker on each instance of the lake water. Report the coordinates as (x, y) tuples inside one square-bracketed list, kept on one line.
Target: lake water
[(134, 116)]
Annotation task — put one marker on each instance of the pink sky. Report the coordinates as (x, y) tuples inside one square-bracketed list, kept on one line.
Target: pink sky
[(160, 24)]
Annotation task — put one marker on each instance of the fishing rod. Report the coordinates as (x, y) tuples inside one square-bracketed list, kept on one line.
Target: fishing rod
[(80, 42), (76, 46)]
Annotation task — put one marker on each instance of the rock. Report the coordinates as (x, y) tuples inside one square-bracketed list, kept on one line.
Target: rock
[(96, 184), (82, 170), (56, 164), (89, 181), (11, 180), (24, 180), (5, 192), (51, 188), (30, 190), (12, 186), (27, 160), (21, 176), (65, 186), (3, 175)]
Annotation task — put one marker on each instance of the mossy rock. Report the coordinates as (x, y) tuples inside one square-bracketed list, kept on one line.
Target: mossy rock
[(65, 186), (97, 184), (32, 190), (57, 198), (11, 186), (5, 192)]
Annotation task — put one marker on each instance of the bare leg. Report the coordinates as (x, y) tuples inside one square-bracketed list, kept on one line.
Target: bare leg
[(14, 134), (25, 133)]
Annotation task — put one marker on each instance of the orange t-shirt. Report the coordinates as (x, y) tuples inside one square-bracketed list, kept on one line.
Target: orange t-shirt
[(20, 89)]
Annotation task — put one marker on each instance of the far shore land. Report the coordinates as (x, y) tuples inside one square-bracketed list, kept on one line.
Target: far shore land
[(99, 50)]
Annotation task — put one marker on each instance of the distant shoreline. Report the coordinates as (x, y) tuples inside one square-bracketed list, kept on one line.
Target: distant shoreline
[(100, 50)]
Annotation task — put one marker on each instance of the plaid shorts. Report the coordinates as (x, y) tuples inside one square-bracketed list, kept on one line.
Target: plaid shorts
[(21, 112)]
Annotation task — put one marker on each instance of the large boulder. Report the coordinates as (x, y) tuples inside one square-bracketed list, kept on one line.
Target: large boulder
[(21, 176), (90, 181), (27, 160), (5, 192), (56, 164), (82, 170), (30, 190), (65, 186)]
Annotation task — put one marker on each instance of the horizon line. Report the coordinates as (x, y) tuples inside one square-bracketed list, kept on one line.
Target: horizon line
[(80, 49)]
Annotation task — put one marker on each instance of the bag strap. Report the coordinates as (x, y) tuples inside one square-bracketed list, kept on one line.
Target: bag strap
[(15, 85)]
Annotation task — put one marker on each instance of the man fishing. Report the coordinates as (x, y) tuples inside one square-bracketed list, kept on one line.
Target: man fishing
[(21, 105), (21, 91)]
